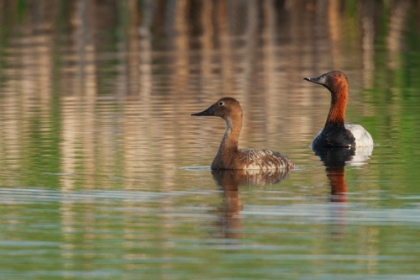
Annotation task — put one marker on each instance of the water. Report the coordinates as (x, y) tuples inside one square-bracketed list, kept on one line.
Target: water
[(104, 173)]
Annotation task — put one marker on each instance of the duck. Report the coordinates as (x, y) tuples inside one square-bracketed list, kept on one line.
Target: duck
[(335, 132), (228, 155)]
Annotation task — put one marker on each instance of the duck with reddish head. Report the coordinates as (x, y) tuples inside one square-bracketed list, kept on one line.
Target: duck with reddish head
[(229, 156), (335, 133)]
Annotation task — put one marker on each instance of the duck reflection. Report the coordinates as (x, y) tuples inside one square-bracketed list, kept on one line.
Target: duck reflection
[(229, 221), (335, 159)]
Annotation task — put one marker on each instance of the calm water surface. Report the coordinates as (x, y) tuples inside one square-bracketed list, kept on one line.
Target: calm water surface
[(104, 173)]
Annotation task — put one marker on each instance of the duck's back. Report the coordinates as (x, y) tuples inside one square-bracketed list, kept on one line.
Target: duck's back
[(252, 159), (265, 159)]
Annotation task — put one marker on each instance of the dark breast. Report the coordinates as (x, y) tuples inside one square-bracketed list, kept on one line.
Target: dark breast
[(339, 137)]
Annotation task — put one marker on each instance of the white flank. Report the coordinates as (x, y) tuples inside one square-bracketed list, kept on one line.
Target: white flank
[(362, 136)]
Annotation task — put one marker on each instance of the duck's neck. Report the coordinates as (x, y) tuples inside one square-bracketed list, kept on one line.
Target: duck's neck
[(338, 107), (231, 138)]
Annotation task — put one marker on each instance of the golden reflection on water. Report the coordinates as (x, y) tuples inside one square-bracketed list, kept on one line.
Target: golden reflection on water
[(259, 61), (155, 77), (99, 94)]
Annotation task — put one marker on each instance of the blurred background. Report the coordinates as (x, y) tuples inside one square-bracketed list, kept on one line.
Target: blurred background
[(105, 173)]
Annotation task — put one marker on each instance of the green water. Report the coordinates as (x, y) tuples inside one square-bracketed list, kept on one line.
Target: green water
[(104, 173)]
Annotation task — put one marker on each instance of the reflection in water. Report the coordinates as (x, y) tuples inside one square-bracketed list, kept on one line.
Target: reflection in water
[(229, 181), (334, 160), (82, 79), (93, 115)]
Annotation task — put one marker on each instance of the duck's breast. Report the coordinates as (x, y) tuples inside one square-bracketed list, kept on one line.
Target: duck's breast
[(362, 136)]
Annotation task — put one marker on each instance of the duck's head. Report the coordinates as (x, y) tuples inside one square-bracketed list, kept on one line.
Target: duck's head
[(226, 108), (335, 81)]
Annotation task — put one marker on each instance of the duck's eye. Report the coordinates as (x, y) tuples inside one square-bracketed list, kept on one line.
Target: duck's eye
[(221, 103)]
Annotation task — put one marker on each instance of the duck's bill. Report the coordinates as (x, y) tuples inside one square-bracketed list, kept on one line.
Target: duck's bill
[(317, 80), (208, 112)]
